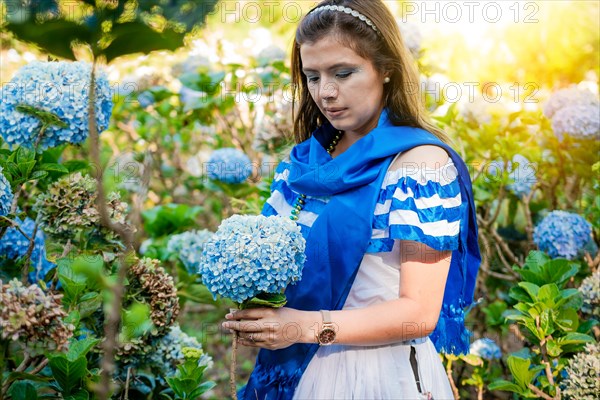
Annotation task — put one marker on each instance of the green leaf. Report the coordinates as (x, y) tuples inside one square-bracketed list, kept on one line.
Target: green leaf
[(68, 374), (202, 388), (535, 259), (169, 218), (76, 165), (45, 117), (54, 36), (567, 319), (146, 40), (570, 298), (531, 289), (559, 271), (25, 168), (519, 368), (546, 325), (22, 390), (54, 168), (89, 303), (38, 175), (272, 300), (80, 348), (575, 338), (519, 294), (548, 293), (506, 385), (553, 348)]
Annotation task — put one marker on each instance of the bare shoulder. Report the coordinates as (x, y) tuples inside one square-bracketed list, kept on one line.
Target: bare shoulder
[(426, 156)]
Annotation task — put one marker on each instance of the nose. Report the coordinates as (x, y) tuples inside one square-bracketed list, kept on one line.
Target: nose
[(328, 90)]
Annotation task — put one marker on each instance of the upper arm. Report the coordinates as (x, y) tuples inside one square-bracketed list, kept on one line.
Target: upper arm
[(423, 274), (427, 156)]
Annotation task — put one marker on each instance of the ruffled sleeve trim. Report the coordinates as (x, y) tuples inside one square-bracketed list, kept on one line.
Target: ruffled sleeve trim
[(419, 204)]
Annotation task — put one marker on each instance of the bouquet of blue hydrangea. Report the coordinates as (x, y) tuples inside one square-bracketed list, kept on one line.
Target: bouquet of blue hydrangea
[(252, 259)]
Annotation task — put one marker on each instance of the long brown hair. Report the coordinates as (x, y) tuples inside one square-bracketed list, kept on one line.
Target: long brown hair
[(384, 47)]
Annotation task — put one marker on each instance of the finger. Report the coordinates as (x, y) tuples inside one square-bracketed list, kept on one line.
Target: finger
[(252, 313), (242, 326)]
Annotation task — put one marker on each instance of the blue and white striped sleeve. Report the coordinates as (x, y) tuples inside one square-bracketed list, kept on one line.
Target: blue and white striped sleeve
[(419, 204)]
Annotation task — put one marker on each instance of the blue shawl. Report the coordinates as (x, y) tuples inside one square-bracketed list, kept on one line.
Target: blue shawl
[(353, 180)]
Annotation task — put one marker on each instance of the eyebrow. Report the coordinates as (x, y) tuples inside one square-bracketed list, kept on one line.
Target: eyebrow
[(334, 66)]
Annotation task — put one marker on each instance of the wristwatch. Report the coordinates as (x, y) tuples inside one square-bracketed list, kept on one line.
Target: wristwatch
[(326, 336)]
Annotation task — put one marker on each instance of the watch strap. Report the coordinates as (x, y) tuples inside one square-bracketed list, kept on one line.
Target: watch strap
[(326, 317)]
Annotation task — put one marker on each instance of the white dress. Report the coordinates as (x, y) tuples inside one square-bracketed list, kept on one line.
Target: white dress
[(417, 204), (374, 372)]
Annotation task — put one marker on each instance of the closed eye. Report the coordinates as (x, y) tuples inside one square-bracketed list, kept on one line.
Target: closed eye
[(344, 75)]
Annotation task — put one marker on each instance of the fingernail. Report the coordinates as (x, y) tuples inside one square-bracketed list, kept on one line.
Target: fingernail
[(225, 325), (229, 316)]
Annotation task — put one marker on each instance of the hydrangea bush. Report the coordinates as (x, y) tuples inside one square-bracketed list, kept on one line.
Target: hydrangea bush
[(60, 88), (562, 234), (229, 165), (189, 246), (249, 255)]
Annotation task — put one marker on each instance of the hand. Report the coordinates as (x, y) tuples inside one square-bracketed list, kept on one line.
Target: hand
[(272, 328)]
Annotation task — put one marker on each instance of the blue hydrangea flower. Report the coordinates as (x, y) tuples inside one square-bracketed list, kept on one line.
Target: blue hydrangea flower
[(188, 246), (13, 245), (579, 121), (146, 99), (562, 234), (520, 170), (252, 254), (167, 352), (57, 87), (485, 348), (229, 165), (572, 96), (6, 196)]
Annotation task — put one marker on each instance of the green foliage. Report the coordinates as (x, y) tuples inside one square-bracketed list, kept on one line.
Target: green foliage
[(188, 383), (545, 310), (106, 28), (70, 370), (170, 218)]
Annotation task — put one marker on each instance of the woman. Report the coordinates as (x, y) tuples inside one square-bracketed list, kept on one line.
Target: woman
[(387, 210)]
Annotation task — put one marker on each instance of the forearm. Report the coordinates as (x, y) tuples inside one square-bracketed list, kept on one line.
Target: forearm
[(389, 322)]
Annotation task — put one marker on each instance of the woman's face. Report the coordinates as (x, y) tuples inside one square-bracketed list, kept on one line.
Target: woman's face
[(346, 87)]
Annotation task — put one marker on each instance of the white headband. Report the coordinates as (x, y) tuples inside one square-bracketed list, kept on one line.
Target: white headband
[(348, 11)]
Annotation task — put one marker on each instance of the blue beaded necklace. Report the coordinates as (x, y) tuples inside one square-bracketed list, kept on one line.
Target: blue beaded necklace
[(301, 199)]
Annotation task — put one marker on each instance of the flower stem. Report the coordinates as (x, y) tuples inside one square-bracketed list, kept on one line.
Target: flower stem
[(233, 366)]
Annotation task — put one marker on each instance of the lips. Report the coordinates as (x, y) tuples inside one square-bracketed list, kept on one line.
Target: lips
[(334, 111)]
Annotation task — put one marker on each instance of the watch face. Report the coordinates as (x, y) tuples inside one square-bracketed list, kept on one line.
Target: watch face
[(327, 336)]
